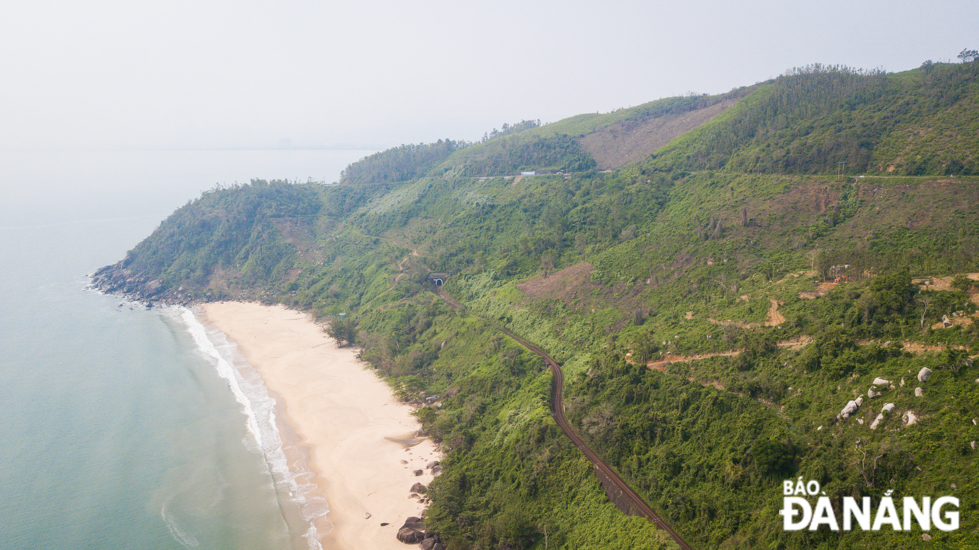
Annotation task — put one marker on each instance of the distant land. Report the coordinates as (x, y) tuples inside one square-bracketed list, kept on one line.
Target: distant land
[(776, 284)]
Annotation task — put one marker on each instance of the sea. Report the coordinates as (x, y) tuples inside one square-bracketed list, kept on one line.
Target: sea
[(122, 426)]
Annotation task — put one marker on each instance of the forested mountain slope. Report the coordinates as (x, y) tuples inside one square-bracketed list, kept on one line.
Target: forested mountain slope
[(715, 306)]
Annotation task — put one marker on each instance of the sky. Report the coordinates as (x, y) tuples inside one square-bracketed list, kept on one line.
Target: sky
[(370, 74)]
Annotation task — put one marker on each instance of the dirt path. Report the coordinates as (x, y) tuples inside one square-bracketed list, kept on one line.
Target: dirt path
[(662, 363), (401, 266)]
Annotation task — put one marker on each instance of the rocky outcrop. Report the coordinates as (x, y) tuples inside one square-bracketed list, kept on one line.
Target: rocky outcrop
[(120, 280), (415, 532)]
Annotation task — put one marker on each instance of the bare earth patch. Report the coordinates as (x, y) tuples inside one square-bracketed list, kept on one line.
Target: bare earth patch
[(774, 317), (631, 141), (796, 343), (567, 285), (822, 289), (940, 283)]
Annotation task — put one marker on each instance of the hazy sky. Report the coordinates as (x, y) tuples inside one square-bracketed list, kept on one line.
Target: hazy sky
[(102, 74)]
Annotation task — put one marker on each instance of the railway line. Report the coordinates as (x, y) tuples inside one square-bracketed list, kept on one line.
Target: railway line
[(636, 502)]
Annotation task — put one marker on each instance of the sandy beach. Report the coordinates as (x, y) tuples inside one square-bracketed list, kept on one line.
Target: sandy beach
[(342, 414)]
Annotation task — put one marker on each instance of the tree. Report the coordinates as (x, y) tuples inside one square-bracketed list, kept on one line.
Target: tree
[(547, 262), (968, 55), (343, 330)]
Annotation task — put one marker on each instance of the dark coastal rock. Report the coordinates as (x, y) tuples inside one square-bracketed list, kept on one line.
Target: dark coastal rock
[(413, 531), (432, 464), (418, 488), (436, 470), (410, 536), (419, 472), (118, 279)]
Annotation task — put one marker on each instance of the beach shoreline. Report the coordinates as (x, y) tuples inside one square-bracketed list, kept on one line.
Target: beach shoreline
[(344, 419)]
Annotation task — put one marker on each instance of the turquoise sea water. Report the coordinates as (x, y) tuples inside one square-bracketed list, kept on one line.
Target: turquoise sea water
[(122, 427)]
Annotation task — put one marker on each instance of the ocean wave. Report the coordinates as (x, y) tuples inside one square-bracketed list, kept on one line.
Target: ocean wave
[(293, 484)]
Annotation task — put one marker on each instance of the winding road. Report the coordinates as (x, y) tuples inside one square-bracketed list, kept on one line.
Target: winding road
[(636, 503)]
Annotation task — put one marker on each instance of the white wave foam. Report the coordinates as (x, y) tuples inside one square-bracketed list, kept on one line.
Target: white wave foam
[(186, 540), (224, 368), (259, 409)]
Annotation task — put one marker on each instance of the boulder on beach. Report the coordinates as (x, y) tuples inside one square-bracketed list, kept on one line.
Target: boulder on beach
[(419, 472), (418, 488), (413, 531)]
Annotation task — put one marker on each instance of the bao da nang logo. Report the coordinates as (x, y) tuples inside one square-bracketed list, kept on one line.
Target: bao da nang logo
[(797, 513)]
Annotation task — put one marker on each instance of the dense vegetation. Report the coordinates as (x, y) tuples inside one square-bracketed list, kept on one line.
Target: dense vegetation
[(821, 119), (402, 163), (714, 307)]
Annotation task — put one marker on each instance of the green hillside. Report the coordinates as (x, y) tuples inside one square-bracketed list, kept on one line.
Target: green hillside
[(815, 119), (715, 306)]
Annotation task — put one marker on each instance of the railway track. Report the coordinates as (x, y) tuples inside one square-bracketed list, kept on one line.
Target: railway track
[(636, 502)]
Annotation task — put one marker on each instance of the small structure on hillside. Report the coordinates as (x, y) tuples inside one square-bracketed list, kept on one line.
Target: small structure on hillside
[(438, 279)]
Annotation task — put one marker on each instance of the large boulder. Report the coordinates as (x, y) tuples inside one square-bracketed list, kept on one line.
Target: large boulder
[(849, 409), (418, 488), (909, 418), (880, 417), (410, 536), (923, 374), (413, 531)]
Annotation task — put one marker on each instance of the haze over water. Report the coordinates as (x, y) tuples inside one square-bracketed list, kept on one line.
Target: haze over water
[(118, 430)]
